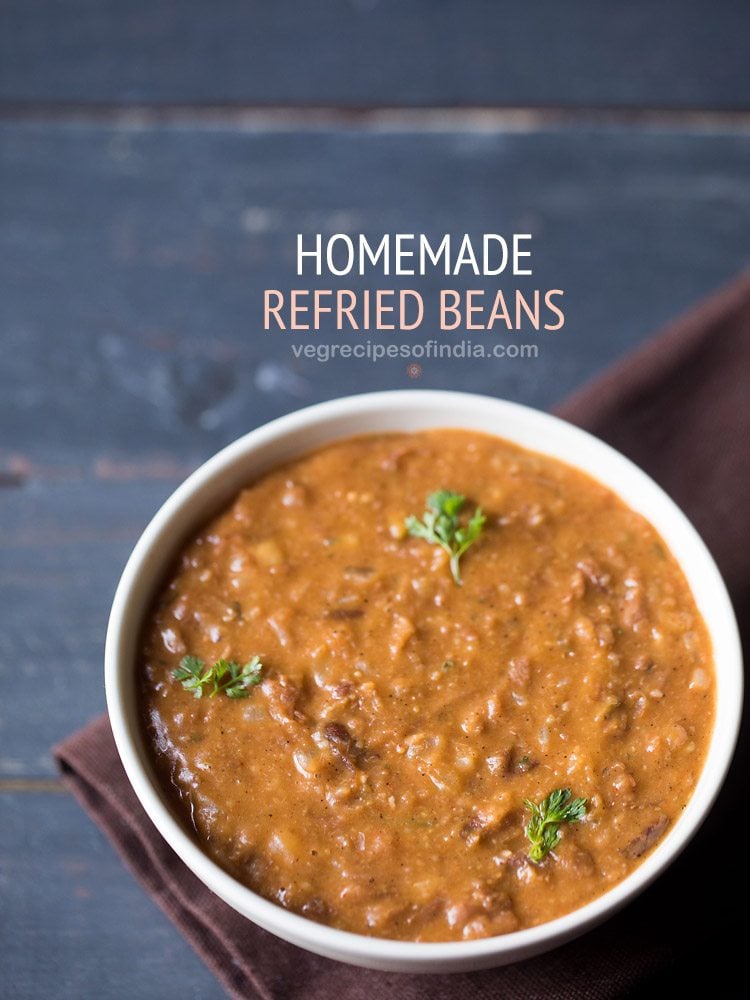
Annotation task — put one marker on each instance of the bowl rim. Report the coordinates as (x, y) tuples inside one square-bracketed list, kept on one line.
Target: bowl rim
[(145, 568)]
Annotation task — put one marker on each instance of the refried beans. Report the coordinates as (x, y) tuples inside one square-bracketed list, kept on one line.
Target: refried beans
[(376, 767)]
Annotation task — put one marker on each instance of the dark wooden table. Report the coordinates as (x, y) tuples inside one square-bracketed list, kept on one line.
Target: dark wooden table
[(156, 161)]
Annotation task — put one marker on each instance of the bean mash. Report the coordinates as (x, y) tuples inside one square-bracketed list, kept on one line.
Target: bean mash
[(376, 767)]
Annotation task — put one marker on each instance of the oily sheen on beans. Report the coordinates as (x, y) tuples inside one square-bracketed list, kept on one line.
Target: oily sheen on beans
[(375, 779)]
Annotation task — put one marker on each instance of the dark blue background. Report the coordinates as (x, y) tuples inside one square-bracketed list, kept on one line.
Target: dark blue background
[(156, 162)]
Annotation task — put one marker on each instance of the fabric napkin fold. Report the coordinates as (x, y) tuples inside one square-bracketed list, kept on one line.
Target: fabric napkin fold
[(680, 408)]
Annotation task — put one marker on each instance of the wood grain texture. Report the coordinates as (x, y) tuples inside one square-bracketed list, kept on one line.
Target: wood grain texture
[(130, 323), (74, 922), (133, 261), (130, 349), (136, 261), (672, 54), (62, 548)]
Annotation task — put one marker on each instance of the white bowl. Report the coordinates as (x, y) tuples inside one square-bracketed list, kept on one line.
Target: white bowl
[(216, 482)]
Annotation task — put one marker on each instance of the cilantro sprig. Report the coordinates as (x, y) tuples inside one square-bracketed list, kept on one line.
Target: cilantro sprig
[(233, 679), (543, 829), (440, 525)]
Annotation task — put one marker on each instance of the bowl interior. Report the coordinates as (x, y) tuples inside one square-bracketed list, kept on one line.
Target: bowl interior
[(217, 482)]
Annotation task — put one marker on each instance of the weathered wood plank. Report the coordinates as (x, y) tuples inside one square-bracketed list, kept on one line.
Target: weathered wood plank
[(136, 261), (677, 53), (129, 328), (130, 349), (62, 548), (75, 923)]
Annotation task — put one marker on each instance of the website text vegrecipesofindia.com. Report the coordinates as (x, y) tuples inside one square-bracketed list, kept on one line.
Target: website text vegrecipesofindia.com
[(376, 351)]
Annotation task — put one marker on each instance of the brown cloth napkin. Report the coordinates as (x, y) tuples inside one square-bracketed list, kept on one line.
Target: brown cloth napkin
[(679, 407)]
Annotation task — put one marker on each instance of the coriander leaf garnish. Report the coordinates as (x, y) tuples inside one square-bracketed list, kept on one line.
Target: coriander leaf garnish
[(234, 679), (543, 829), (440, 525)]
